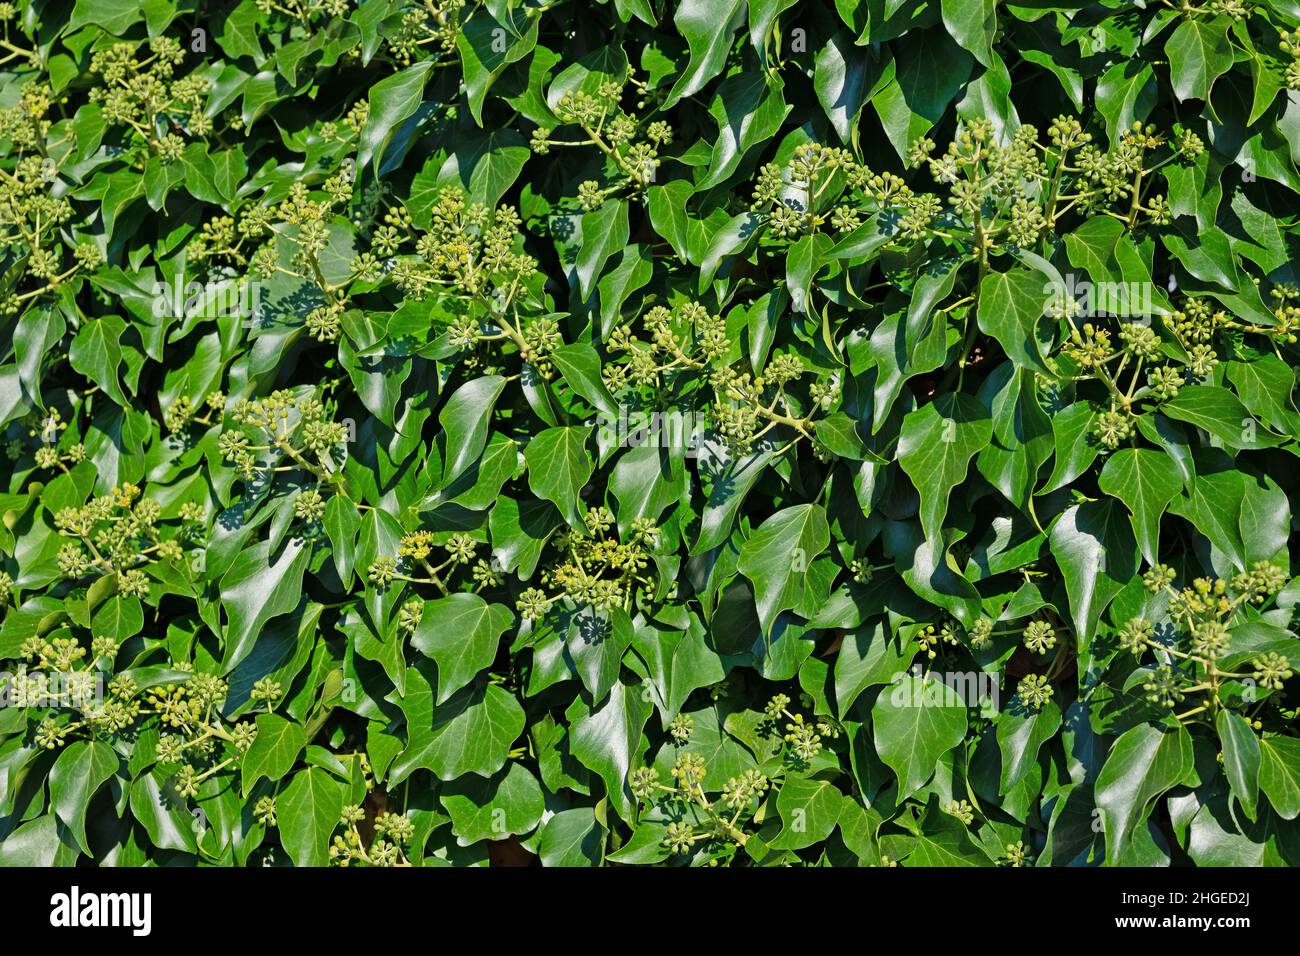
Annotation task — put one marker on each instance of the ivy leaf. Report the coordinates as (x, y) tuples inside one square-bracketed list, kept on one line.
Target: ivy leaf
[(973, 24), (1096, 552), (580, 366), (1220, 413), (1126, 94), (519, 531), (596, 642), (1279, 774), (680, 662), (572, 838), (945, 843), (393, 100), (646, 480), (461, 633), (1199, 52), (257, 588), (274, 750), (81, 769), (487, 45), (776, 557), (604, 233), (749, 110), (558, 467), (707, 26), (465, 420), (1020, 737), (809, 810), (935, 446), (96, 352), (485, 164), (1074, 452), (666, 205), (164, 818), (914, 723), (1145, 762), (866, 658), (470, 733), (842, 76), (307, 813), (510, 802), (606, 740), (1242, 756), (928, 71), (1010, 305), (1146, 481)]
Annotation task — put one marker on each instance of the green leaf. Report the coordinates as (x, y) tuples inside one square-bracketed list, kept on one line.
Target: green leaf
[(112, 16), (596, 642), (1241, 758), (257, 588), (274, 750), (866, 658), (1220, 413), (470, 733), (776, 558), (164, 818), (935, 446), (1010, 305), (508, 803), (307, 813), (488, 45), (1279, 774), (1146, 481), (1144, 763), (393, 100), (96, 352), (607, 741), (558, 467), (809, 810), (604, 233), (1264, 385), (1021, 434), (484, 164), (461, 633), (914, 723), (679, 662), (1126, 94), (1094, 547), (973, 24), (707, 26), (928, 70), (580, 366), (1074, 451), (37, 843), (572, 838), (666, 205), (1199, 52), (842, 77), (646, 480), (749, 110), (1020, 737), (465, 420), (82, 768)]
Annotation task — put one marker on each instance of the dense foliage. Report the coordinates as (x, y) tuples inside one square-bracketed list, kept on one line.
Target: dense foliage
[(750, 432)]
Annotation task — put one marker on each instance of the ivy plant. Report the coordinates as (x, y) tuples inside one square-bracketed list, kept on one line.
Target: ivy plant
[(621, 432)]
